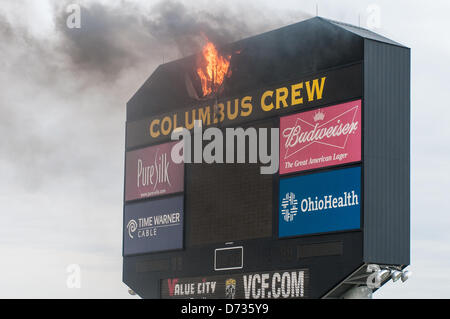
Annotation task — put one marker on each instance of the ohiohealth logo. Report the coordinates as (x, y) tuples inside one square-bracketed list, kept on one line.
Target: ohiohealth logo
[(289, 207), (132, 226)]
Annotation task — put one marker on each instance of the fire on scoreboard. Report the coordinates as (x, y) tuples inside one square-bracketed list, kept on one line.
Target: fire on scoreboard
[(223, 229)]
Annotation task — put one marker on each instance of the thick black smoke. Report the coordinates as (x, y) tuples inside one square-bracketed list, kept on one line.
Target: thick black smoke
[(64, 105), (5, 29), (112, 38)]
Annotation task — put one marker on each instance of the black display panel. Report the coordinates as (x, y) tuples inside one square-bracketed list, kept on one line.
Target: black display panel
[(228, 202), (229, 258)]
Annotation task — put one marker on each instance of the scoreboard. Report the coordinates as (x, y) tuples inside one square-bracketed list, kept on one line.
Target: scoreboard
[(337, 99)]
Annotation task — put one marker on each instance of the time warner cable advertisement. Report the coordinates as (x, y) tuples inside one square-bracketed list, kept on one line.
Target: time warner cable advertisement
[(217, 157)]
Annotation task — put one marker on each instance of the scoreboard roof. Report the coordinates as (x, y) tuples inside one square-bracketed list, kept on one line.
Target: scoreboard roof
[(279, 55)]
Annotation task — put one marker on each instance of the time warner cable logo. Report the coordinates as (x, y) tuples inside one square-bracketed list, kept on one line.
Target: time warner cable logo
[(132, 227)]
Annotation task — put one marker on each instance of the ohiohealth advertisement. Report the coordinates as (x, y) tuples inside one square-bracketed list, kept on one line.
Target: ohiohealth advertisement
[(320, 203)]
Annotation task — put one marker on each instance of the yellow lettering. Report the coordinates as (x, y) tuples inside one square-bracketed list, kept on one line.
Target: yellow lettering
[(204, 115), (296, 94), (315, 90), (165, 120), (189, 125), (246, 103), (220, 108), (232, 116), (154, 133), (264, 106), (221, 112), (175, 122), (281, 96)]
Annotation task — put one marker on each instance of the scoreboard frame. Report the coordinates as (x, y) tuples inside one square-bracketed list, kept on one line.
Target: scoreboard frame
[(379, 76)]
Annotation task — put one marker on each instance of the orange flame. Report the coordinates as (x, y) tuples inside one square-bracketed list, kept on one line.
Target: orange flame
[(212, 68)]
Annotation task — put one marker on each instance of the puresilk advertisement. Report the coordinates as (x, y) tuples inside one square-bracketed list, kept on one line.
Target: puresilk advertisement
[(320, 203), (151, 172)]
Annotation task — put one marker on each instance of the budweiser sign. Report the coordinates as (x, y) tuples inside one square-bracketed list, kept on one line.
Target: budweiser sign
[(319, 138)]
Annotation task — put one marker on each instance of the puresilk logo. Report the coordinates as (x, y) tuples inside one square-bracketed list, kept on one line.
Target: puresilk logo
[(154, 174), (132, 227)]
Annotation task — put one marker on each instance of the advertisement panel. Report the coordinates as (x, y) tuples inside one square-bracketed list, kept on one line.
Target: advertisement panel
[(155, 225), (151, 172), (320, 138), (271, 284), (320, 203)]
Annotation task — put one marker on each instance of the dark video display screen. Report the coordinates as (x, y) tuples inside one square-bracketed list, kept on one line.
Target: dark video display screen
[(228, 202)]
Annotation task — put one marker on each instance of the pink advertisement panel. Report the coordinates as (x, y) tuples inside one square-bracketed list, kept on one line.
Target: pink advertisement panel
[(320, 138), (151, 172)]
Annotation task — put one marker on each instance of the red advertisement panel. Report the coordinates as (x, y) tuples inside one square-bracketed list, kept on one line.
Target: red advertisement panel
[(151, 172), (320, 138)]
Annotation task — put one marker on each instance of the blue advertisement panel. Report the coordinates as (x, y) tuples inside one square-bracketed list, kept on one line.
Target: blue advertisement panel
[(155, 225), (320, 203)]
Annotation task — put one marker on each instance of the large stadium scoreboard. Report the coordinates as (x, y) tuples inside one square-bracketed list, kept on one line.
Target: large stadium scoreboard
[(338, 99)]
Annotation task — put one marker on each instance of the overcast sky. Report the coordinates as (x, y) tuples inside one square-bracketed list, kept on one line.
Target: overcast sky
[(62, 114)]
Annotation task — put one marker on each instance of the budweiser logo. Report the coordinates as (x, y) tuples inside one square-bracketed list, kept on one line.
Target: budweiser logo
[(319, 116), (333, 133)]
